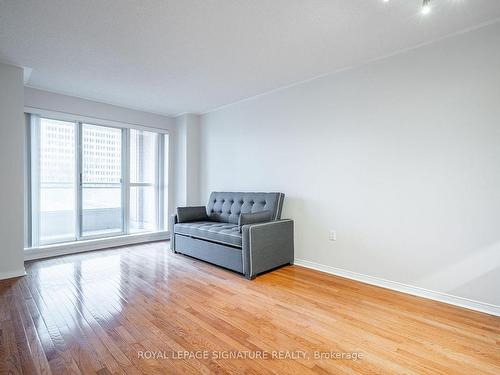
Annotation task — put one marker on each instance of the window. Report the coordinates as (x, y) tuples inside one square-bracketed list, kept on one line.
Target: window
[(54, 188), (92, 181), (143, 181), (101, 180)]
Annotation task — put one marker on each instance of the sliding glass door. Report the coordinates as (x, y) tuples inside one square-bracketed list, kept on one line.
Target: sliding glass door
[(101, 181), (91, 181)]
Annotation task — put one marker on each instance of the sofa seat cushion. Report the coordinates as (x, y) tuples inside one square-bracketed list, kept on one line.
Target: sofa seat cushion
[(224, 233)]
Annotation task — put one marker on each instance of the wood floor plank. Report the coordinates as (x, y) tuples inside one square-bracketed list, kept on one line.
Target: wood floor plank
[(35, 352), (141, 309)]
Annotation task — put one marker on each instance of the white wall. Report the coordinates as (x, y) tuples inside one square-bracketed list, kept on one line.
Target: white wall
[(69, 104), (401, 157), (186, 179), (12, 137)]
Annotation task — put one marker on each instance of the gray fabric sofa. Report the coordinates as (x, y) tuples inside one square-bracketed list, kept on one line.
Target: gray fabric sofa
[(240, 231)]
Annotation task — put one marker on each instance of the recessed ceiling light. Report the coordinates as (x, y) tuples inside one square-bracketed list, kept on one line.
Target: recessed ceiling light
[(426, 7)]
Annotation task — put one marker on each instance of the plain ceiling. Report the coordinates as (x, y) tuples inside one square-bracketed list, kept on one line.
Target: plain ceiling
[(173, 57)]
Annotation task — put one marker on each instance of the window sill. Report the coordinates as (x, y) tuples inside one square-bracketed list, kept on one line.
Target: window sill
[(48, 251)]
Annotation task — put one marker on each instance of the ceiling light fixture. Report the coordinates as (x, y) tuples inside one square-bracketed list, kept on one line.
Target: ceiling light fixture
[(426, 7)]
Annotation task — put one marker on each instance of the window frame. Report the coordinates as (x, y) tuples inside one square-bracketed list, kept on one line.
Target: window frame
[(162, 193)]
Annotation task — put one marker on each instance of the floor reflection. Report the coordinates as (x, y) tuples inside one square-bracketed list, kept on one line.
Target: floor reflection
[(90, 290)]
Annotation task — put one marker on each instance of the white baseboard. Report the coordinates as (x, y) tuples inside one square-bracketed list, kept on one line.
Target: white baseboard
[(12, 274), (91, 245), (404, 288)]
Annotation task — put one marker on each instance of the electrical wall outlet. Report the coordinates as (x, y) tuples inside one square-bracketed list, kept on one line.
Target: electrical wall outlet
[(333, 235)]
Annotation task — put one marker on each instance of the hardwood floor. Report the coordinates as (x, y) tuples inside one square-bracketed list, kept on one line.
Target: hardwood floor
[(141, 309)]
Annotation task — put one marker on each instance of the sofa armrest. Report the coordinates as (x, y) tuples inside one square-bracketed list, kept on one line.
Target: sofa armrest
[(254, 218), (194, 213), (267, 246), (171, 223)]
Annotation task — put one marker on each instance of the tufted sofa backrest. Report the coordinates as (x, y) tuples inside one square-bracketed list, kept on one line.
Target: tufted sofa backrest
[(227, 206)]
